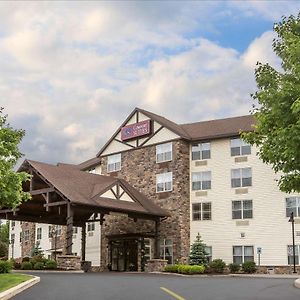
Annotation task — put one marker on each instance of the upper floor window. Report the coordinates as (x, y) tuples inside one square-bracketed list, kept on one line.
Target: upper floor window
[(241, 177), (293, 205), (242, 254), (12, 238), (239, 147), (26, 235), (92, 171), (201, 180), (163, 152), (90, 226), (201, 151), (164, 182), (13, 224), (49, 231), (201, 211), (242, 209), (39, 233), (114, 163)]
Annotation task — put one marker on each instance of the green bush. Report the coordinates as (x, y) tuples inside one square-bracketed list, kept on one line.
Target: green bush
[(25, 258), (38, 266), (249, 267), (5, 266), (217, 265), (51, 265), (26, 265), (184, 269), (234, 267), (171, 268), (38, 258), (197, 269)]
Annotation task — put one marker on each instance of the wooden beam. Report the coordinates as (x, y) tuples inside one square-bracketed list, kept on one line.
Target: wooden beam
[(58, 203), (7, 211), (42, 191), (83, 241)]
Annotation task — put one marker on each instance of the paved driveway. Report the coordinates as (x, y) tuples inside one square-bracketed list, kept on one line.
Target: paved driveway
[(118, 286)]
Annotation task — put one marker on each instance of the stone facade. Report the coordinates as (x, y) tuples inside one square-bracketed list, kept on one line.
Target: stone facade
[(156, 265), (29, 244), (68, 262), (139, 168)]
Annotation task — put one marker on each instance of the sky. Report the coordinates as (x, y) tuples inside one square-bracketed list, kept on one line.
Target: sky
[(71, 72)]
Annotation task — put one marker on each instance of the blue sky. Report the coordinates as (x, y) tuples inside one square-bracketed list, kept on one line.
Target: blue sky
[(70, 72)]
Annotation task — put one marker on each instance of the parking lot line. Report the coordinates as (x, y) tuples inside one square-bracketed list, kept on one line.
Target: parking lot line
[(176, 296)]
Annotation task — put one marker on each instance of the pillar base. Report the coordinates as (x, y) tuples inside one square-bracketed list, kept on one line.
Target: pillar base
[(155, 265), (68, 262)]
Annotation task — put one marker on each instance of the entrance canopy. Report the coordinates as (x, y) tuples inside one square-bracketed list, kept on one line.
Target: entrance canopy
[(61, 192)]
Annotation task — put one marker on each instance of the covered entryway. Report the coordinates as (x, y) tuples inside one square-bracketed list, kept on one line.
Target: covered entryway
[(65, 195)]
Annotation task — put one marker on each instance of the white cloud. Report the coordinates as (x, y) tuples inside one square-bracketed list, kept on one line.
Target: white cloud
[(70, 72)]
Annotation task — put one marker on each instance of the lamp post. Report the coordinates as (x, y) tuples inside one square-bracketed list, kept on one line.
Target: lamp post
[(293, 235)]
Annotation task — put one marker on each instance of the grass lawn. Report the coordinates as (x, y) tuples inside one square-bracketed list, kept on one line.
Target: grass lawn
[(9, 280)]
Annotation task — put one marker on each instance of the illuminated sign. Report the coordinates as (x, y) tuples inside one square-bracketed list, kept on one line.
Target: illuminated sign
[(135, 130)]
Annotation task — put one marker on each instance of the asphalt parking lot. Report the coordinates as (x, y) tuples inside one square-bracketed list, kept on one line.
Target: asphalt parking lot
[(125, 286)]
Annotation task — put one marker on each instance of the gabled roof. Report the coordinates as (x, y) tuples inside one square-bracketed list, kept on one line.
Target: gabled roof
[(90, 163), (79, 188)]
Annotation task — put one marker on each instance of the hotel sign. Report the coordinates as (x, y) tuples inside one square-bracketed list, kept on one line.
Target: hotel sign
[(135, 130)]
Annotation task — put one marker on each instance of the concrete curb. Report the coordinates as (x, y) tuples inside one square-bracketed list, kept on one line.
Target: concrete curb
[(297, 283), (48, 271), (19, 288)]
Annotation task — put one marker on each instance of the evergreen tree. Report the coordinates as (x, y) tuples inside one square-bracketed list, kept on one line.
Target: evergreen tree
[(36, 250), (198, 254)]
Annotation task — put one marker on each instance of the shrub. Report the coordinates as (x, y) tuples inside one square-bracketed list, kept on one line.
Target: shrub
[(25, 258), (5, 266), (234, 267), (249, 267), (197, 269), (38, 266), (26, 265), (50, 265), (184, 269), (217, 265), (38, 258), (171, 268)]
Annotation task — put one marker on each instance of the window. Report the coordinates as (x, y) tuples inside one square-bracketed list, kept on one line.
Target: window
[(293, 205), (13, 224), (21, 236), (242, 254), (12, 238), (114, 163), (290, 254), (39, 233), (91, 226), (201, 211), (241, 177), (75, 230), (163, 152), (92, 171), (208, 250), (26, 235), (147, 246), (164, 182), (239, 147), (50, 231), (166, 250), (201, 180), (201, 151), (242, 209), (58, 229)]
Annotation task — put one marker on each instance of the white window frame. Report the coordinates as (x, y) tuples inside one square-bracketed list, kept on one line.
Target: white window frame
[(148, 249), (12, 238), (26, 235), (166, 244), (200, 178), (114, 163), (242, 146), (241, 177), (164, 152), (90, 226), (201, 150), (290, 256), (166, 180), (201, 212), (292, 207), (243, 252), (208, 250), (39, 233), (242, 209)]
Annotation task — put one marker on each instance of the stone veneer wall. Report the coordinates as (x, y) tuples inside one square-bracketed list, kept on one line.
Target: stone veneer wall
[(28, 245), (139, 168)]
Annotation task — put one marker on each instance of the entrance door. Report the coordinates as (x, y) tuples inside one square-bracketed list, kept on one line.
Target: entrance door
[(124, 255)]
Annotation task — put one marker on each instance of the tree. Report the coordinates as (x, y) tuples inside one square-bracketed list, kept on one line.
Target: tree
[(4, 239), (36, 250), (11, 192), (277, 129), (198, 254)]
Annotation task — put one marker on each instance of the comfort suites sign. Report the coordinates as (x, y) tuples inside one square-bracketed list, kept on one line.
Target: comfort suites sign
[(135, 130)]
